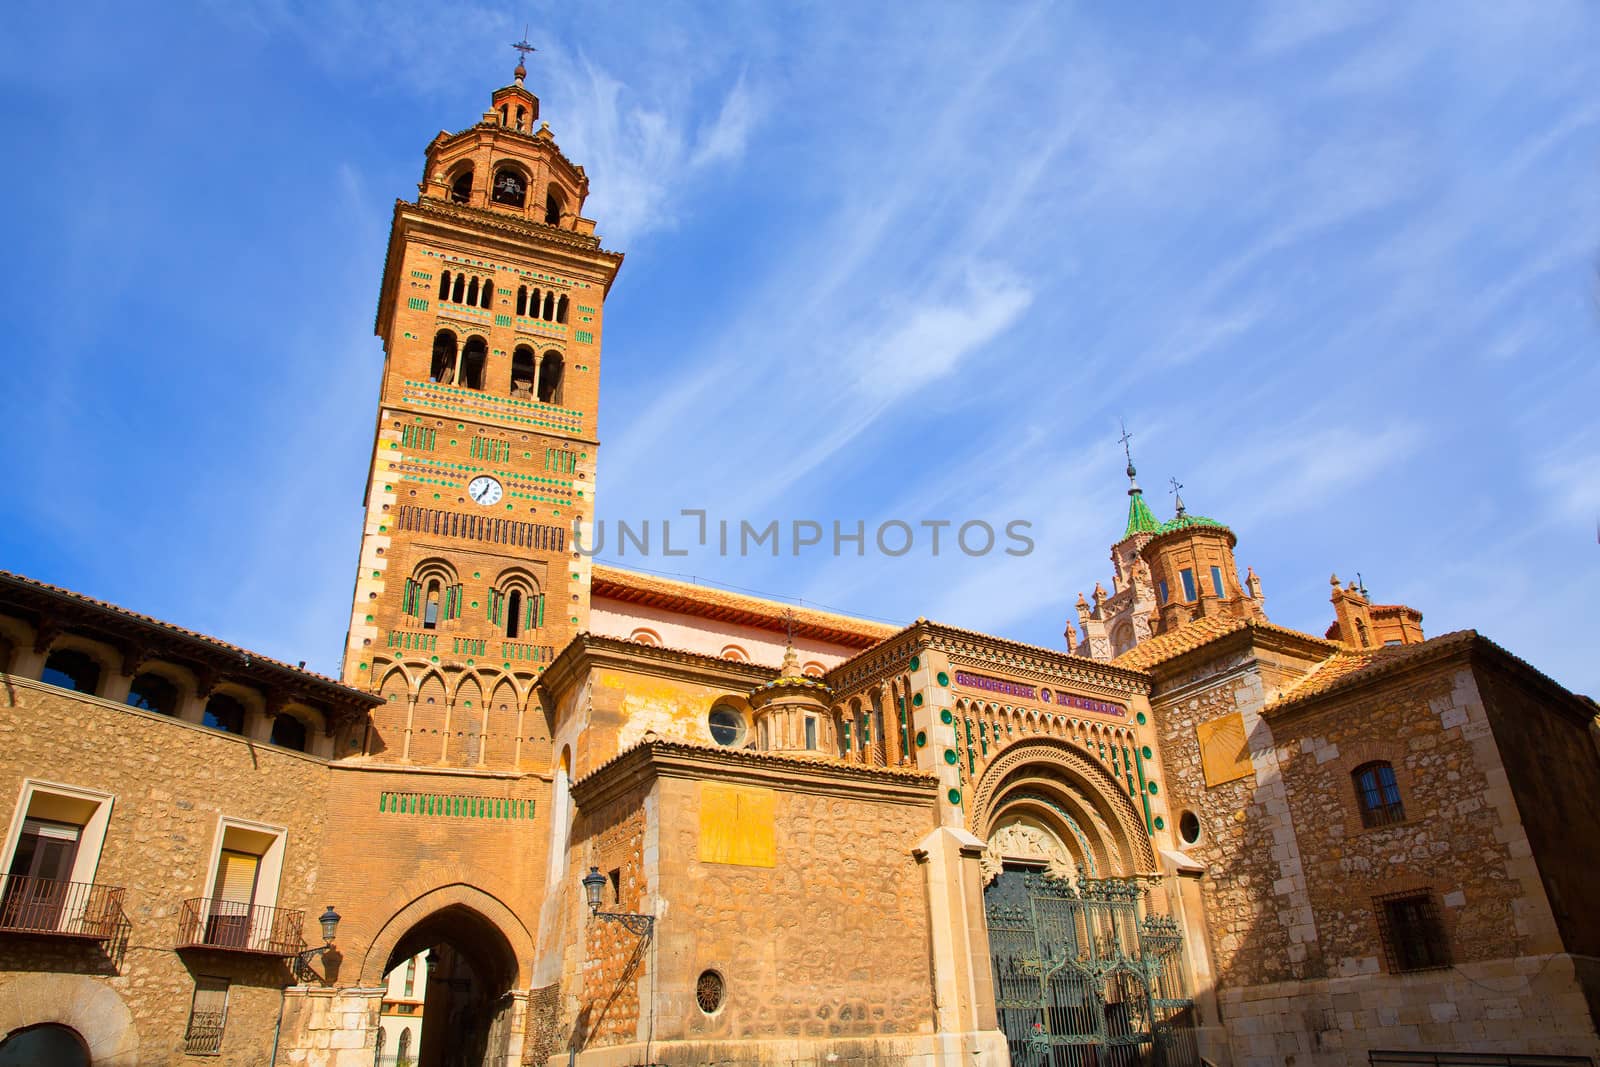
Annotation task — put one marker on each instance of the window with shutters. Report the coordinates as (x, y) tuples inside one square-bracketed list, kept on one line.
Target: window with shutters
[(243, 886), (208, 1015)]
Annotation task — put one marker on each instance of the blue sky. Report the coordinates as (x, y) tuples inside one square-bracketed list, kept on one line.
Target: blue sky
[(1334, 264)]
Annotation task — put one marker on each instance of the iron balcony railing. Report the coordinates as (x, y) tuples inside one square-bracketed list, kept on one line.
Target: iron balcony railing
[(45, 906), (205, 922)]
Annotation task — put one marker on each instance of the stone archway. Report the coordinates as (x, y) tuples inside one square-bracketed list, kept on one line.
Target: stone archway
[(478, 954), (1074, 797), (88, 1006)]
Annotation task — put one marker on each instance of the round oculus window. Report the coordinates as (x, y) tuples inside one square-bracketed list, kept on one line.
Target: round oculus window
[(708, 991), (727, 725), (1189, 827)]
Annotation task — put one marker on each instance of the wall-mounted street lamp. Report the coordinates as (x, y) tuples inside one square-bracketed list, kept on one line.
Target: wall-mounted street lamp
[(594, 883), (329, 921)]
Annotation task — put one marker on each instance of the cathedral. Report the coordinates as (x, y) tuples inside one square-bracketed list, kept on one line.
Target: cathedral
[(557, 813)]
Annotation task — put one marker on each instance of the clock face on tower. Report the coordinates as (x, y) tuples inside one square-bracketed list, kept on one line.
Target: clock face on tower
[(484, 490)]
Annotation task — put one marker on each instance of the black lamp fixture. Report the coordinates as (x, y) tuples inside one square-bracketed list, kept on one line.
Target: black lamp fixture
[(594, 884), (329, 921)]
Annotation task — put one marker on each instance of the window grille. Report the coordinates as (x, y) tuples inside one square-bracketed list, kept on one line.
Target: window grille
[(208, 1015), (1413, 935)]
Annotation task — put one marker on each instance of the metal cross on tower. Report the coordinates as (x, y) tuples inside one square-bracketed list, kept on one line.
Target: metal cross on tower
[(523, 46), (1125, 438)]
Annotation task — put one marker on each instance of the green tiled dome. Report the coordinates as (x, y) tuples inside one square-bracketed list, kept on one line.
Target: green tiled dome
[(1188, 522)]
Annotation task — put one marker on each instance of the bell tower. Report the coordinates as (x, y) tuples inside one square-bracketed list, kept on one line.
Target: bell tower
[(483, 464)]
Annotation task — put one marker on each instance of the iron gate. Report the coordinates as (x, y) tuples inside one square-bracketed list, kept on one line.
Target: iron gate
[(1082, 979)]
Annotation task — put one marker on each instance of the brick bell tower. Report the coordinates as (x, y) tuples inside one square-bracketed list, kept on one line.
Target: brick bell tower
[(490, 313)]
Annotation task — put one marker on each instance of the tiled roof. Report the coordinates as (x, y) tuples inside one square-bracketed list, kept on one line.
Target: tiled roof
[(1199, 632), (631, 586), (1140, 517), (21, 584), (1186, 522), (1349, 666), (818, 761)]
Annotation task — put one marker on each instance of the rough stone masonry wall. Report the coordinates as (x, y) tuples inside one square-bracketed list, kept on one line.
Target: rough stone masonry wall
[(1250, 872), (1462, 839), (830, 943), (612, 839), (171, 781)]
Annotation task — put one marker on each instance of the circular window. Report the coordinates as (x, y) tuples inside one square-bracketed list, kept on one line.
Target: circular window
[(727, 725), (708, 992), (1189, 827)]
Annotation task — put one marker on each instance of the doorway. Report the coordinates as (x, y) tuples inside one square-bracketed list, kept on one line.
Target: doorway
[(447, 999)]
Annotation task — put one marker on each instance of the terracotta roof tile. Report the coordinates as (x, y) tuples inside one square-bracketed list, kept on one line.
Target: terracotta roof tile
[(1350, 666), (619, 584), (24, 582), (1199, 632)]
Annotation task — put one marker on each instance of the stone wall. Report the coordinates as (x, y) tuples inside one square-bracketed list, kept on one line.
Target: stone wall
[(829, 942), (1291, 872), (171, 782)]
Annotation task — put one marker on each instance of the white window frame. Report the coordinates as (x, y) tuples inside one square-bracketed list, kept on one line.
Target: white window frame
[(268, 874), (91, 838)]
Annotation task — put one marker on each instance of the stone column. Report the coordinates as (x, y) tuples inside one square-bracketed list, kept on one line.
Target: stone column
[(963, 989)]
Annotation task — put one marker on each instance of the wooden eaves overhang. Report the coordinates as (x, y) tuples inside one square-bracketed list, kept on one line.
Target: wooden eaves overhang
[(53, 611)]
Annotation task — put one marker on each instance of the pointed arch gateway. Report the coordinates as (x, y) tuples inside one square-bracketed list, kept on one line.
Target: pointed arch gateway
[(476, 946)]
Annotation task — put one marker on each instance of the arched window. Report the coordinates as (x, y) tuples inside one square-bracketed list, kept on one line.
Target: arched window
[(1378, 794), (550, 378), (459, 293), (430, 607), (444, 285), (224, 713), (486, 297), (71, 669), (534, 305), (523, 373), (503, 120), (510, 188), (549, 307), (289, 732), (472, 292), (473, 355), (514, 613), (522, 113), (444, 357), (402, 1056), (461, 188), (154, 693), (522, 300), (377, 1047), (561, 310), (552, 208)]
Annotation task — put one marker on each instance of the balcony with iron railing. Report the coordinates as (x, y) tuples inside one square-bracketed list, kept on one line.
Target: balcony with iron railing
[(46, 907), (227, 926)]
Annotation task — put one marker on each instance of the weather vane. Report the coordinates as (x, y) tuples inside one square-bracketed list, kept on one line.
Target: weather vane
[(1176, 485), (523, 46)]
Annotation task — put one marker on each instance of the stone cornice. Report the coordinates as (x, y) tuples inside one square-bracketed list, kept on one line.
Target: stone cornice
[(587, 652), (655, 758), (985, 652)]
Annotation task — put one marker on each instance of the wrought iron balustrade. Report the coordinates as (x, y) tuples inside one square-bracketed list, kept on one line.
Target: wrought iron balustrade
[(46, 906), (206, 922)]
